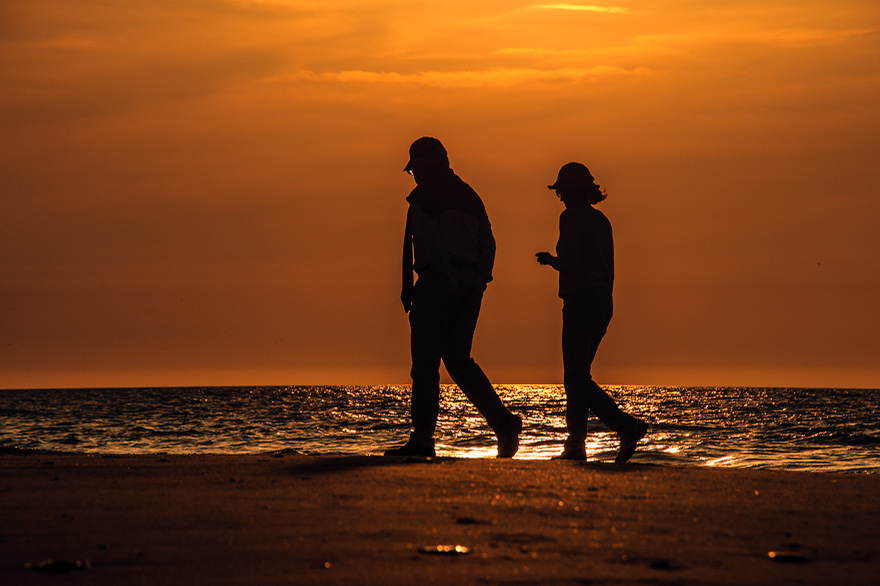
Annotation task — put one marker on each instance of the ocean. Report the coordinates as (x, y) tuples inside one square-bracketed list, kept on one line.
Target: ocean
[(817, 430)]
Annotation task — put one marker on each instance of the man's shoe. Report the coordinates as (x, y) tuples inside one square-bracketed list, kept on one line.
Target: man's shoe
[(572, 449), (410, 449), (508, 436), (630, 435), (577, 455)]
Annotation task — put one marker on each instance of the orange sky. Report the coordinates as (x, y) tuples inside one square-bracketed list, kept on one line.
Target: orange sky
[(209, 192)]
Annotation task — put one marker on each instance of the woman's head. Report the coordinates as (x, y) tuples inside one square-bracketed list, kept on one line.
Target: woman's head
[(575, 184)]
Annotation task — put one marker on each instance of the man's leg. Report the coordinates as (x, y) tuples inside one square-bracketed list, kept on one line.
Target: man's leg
[(428, 319), (471, 379), (464, 370)]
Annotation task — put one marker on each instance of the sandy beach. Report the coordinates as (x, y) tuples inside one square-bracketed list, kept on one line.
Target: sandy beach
[(290, 519)]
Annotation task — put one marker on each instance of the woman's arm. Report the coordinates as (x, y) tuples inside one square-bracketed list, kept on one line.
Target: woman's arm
[(545, 258)]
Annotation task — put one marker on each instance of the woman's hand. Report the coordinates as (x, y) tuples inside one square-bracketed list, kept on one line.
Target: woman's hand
[(545, 258)]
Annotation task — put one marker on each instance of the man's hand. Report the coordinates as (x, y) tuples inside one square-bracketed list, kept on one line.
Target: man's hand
[(468, 297)]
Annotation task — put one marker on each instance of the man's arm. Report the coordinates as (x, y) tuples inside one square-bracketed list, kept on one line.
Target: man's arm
[(406, 289), (486, 251), (429, 247)]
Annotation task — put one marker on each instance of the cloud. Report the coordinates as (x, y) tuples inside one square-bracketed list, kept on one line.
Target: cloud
[(544, 52), (581, 8), (790, 37), (495, 77), (69, 43)]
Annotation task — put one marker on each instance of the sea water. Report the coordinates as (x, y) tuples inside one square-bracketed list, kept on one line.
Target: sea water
[(819, 430)]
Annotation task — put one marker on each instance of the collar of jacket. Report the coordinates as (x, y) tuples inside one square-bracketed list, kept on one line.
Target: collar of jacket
[(445, 193)]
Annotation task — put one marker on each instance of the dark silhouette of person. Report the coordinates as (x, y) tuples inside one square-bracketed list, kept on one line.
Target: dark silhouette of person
[(449, 244), (585, 261)]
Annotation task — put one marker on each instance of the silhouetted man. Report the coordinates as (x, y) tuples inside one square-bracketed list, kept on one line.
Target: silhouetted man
[(450, 246)]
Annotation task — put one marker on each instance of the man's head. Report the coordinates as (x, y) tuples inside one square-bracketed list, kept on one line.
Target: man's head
[(427, 157)]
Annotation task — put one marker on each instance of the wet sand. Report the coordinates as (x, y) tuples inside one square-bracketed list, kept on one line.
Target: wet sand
[(289, 519)]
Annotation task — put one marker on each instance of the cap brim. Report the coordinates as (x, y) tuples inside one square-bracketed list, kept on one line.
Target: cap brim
[(551, 186)]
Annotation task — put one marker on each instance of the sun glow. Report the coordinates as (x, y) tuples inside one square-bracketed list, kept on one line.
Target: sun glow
[(582, 8), (171, 168), (498, 77)]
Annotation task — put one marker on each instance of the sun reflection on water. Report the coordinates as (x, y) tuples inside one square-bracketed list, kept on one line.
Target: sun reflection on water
[(804, 429), (462, 433)]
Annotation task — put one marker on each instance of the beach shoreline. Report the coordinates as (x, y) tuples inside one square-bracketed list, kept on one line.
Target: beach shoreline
[(279, 518)]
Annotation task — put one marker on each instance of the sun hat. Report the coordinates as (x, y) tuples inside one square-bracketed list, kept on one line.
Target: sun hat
[(573, 176)]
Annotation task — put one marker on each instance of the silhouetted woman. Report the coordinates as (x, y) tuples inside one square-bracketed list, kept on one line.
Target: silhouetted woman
[(585, 261)]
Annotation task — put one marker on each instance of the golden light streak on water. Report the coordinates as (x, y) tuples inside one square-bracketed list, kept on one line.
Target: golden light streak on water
[(542, 408), (803, 429)]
